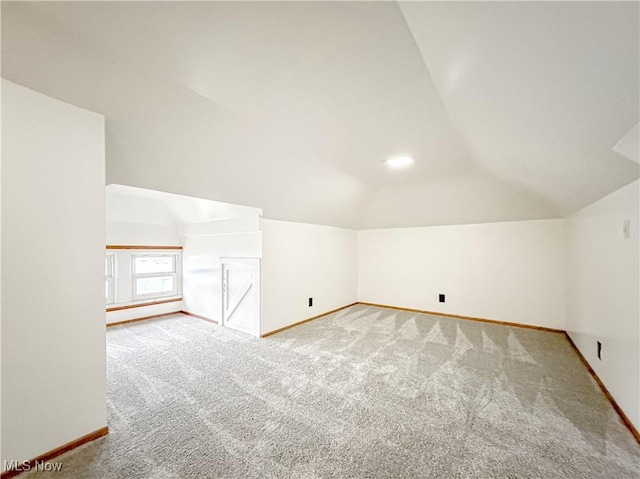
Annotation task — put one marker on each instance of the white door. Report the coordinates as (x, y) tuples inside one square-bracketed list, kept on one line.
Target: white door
[(241, 294)]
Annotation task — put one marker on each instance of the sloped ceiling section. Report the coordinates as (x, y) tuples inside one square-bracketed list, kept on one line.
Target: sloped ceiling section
[(137, 205), (510, 111), (540, 92)]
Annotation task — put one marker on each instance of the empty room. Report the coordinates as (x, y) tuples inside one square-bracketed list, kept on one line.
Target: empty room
[(320, 239)]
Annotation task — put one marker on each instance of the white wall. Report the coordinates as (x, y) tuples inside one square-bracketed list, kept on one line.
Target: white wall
[(225, 225), (602, 293), (302, 261), (144, 312), (202, 285), (53, 334), (132, 220), (124, 233), (503, 271)]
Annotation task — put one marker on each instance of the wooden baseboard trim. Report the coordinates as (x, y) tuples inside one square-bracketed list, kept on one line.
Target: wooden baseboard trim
[(305, 321), (204, 318), (126, 246), (142, 305), (47, 456), (605, 391), (471, 318), (135, 320)]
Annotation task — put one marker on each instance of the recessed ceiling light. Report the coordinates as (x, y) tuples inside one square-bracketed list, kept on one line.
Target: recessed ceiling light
[(400, 162)]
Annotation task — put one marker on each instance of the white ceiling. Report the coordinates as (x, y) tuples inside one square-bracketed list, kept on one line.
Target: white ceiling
[(629, 146), (511, 110)]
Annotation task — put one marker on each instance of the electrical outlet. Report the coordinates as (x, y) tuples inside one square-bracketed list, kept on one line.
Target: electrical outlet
[(310, 302), (599, 350), (441, 298)]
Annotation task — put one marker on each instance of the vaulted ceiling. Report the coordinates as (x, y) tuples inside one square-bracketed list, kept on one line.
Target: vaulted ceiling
[(510, 109)]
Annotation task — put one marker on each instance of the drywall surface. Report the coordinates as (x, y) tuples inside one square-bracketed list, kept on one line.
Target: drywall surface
[(202, 273), (602, 293), (503, 271), (226, 225), (302, 261), (53, 334), (132, 220), (140, 234)]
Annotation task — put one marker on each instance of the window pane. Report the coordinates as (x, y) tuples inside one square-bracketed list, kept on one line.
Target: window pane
[(106, 289), (157, 284), (108, 264), (154, 264)]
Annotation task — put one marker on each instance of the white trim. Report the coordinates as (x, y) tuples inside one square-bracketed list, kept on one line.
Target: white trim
[(176, 257), (110, 278)]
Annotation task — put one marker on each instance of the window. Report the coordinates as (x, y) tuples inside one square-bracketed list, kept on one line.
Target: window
[(109, 278), (154, 275), (135, 275)]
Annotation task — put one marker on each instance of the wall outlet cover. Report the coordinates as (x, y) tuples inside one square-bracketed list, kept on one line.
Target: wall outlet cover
[(626, 229)]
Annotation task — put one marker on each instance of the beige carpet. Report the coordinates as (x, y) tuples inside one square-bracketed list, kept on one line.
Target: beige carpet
[(365, 392)]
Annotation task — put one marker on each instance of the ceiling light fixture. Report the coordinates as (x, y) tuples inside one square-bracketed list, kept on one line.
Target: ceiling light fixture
[(400, 162)]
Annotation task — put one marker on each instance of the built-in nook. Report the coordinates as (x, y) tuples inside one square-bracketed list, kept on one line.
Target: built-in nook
[(179, 239)]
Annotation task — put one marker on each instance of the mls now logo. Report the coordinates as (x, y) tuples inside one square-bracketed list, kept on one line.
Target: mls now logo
[(29, 465)]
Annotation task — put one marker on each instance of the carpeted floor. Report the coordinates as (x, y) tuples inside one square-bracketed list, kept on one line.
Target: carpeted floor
[(363, 393)]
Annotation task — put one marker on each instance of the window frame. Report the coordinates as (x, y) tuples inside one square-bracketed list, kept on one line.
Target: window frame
[(175, 274), (110, 278)]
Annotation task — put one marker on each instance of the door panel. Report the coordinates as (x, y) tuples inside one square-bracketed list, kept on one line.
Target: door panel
[(241, 294)]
